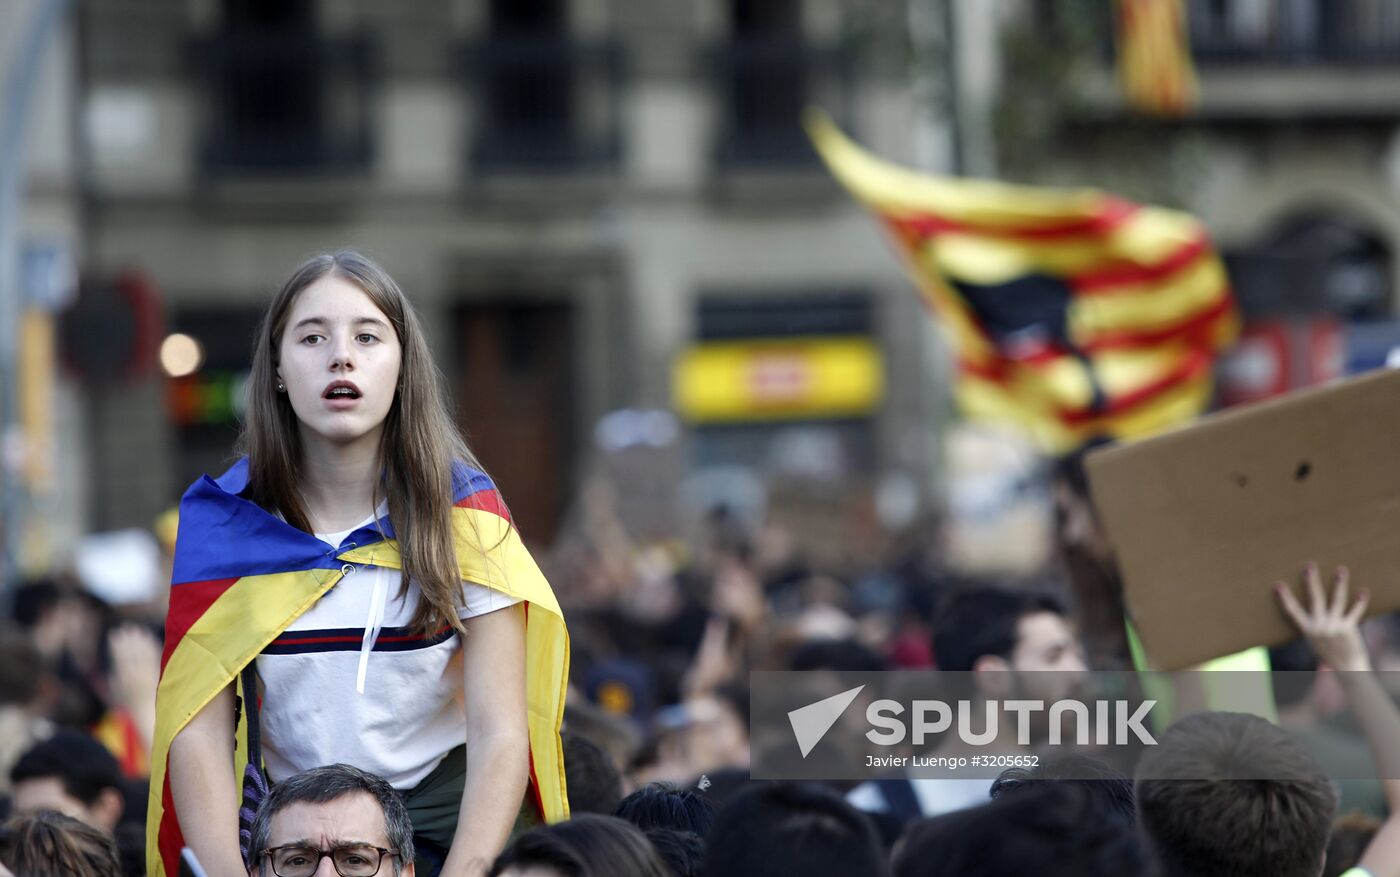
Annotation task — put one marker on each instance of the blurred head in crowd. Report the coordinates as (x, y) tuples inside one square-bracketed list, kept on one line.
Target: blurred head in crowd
[(1232, 794), (74, 774), (335, 809), (593, 781), (26, 691), (35, 608), (587, 846), (61, 618), (723, 786), (1351, 834), (23, 679), (68, 627), (705, 733), (1089, 559), (1077, 525), (713, 731), (682, 851), (802, 830), (622, 686), (1294, 669), (1060, 827), (835, 654), (661, 805), (49, 844), (990, 630), (618, 737), (1108, 793)]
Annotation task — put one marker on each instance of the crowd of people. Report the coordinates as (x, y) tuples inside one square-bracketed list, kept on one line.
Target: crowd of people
[(655, 738), (657, 747)]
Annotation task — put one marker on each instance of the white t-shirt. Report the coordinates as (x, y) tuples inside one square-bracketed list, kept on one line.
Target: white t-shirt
[(411, 713)]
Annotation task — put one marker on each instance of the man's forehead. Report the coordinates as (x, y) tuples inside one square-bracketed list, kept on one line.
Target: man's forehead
[(354, 816), (46, 793), (1042, 628)]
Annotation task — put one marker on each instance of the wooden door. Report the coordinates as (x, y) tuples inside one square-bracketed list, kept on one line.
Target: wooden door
[(514, 391)]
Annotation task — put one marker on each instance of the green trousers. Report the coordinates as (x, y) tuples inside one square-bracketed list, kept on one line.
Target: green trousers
[(433, 806)]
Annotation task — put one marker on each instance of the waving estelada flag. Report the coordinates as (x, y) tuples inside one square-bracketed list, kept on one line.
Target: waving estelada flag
[(242, 575), (1073, 313), (1154, 56)]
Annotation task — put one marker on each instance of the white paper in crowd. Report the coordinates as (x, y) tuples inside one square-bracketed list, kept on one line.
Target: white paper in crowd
[(120, 567)]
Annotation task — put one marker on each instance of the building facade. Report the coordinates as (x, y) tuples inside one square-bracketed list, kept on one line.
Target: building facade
[(599, 203), (575, 194), (1291, 156)]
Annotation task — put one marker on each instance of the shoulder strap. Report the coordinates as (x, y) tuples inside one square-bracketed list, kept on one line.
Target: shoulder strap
[(255, 785), (249, 679)]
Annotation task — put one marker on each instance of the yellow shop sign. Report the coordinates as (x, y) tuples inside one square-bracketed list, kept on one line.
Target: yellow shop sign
[(778, 378)]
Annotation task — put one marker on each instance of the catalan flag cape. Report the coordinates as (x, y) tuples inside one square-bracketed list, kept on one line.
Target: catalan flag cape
[(242, 575), (1073, 313), (1154, 56)]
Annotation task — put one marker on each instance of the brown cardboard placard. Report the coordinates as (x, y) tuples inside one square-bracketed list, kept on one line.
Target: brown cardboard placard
[(1205, 519)]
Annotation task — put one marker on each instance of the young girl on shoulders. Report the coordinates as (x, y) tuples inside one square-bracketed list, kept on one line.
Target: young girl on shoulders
[(359, 570)]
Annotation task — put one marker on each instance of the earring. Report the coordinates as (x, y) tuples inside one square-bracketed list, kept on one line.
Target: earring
[(281, 388)]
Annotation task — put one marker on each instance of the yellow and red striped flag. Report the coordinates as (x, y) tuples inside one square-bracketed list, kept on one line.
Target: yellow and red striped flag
[(242, 575), (1154, 56), (1072, 312)]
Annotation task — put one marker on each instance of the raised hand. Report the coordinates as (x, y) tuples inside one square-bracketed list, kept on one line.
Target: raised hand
[(1332, 626)]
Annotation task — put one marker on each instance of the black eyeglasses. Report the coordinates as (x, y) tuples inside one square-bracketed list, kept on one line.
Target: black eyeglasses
[(350, 860)]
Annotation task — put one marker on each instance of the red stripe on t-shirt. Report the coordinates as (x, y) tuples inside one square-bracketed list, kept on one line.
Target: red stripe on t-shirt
[(321, 640)]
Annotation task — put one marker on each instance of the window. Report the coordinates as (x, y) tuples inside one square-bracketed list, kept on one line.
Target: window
[(545, 99), (278, 96), (764, 77)]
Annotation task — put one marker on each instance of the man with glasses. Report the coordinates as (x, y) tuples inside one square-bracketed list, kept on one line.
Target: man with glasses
[(332, 820)]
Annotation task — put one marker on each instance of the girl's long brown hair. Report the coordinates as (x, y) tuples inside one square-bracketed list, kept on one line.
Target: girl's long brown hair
[(416, 451)]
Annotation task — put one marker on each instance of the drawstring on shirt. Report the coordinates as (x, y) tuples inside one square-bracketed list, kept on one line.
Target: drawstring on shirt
[(373, 623)]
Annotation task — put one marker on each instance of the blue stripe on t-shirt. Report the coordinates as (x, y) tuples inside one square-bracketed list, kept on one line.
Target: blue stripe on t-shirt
[(348, 639)]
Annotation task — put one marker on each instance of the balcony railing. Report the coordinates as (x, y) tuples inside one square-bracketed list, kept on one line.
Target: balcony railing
[(761, 86), (545, 103), (1291, 32), (1277, 33), (279, 104)]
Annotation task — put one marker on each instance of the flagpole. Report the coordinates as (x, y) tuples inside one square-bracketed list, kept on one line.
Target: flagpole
[(21, 84)]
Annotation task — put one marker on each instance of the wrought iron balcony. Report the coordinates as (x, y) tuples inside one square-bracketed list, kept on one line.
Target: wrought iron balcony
[(545, 103), (281, 104), (761, 85), (1295, 32)]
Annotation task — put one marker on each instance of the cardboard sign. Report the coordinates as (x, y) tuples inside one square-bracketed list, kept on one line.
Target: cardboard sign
[(1204, 520)]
